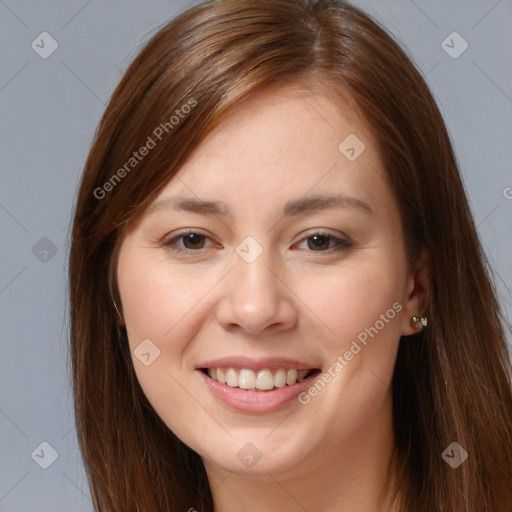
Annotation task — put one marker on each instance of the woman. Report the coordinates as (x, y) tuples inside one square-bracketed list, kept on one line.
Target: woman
[(279, 300)]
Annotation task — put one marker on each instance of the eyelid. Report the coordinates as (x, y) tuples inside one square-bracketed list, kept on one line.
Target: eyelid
[(322, 232)]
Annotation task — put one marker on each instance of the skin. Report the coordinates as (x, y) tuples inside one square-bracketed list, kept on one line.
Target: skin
[(294, 300)]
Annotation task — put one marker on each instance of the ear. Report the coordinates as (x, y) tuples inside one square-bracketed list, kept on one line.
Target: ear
[(416, 293)]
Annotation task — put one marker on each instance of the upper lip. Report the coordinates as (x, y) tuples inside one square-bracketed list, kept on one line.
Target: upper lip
[(272, 363)]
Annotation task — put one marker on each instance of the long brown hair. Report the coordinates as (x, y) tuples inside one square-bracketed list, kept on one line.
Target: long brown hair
[(451, 382)]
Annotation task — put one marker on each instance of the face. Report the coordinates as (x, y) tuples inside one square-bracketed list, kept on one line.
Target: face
[(273, 262)]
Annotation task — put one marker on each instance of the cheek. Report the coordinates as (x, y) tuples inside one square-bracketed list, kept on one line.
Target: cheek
[(361, 308), (361, 305), (157, 297), (350, 298), (158, 303)]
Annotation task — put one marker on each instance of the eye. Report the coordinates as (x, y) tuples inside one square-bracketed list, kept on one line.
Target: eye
[(193, 240), (326, 242)]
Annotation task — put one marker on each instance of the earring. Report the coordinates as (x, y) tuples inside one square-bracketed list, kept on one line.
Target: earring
[(419, 322)]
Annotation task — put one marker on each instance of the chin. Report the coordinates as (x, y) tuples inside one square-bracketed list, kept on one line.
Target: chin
[(257, 455)]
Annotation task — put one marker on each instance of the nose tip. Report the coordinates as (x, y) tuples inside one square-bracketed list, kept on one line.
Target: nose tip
[(254, 300)]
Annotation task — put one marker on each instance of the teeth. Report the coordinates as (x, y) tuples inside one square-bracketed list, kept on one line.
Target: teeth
[(247, 379), (280, 378), (232, 378), (301, 374), (220, 376), (262, 380), (291, 377)]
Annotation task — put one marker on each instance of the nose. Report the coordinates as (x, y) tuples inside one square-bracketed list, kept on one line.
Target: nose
[(256, 298)]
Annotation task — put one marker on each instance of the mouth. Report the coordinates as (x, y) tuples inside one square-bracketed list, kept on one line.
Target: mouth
[(260, 389), (257, 385), (261, 380)]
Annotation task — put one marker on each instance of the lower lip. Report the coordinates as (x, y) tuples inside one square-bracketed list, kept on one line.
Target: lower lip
[(257, 401)]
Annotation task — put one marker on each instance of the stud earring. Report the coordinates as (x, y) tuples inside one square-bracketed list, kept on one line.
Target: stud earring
[(420, 322)]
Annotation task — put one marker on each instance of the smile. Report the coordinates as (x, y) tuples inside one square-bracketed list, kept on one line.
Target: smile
[(256, 386), (264, 379)]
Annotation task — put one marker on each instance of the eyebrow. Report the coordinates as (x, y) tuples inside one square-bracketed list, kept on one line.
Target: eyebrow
[(293, 207)]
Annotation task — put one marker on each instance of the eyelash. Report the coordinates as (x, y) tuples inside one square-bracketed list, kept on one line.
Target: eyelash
[(341, 244)]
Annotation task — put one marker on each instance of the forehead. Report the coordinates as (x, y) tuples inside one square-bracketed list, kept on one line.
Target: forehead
[(281, 143), (286, 122)]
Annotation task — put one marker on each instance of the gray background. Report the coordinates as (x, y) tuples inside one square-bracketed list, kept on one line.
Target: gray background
[(49, 110)]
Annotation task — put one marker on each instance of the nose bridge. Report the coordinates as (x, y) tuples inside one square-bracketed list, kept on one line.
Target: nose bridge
[(253, 261), (255, 298), (256, 287), (255, 282)]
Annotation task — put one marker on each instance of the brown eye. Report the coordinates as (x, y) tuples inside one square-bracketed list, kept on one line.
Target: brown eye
[(324, 242), (319, 242), (190, 241), (193, 241)]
